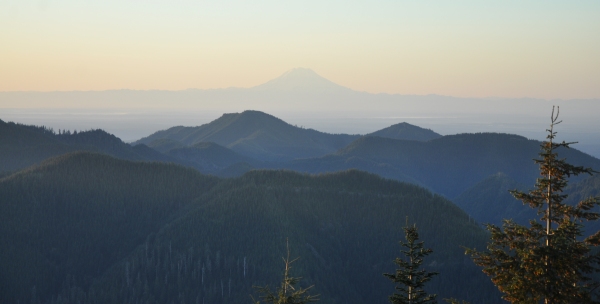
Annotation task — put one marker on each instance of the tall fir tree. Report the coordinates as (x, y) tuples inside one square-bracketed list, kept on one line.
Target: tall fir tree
[(287, 293), (410, 278), (549, 261)]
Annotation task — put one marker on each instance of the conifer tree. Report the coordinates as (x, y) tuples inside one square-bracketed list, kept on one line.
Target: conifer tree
[(287, 293), (409, 276), (549, 261)]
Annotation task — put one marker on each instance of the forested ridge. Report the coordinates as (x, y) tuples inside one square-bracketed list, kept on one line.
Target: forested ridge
[(23, 145), (448, 165), (257, 135), (144, 224), (90, 228), (406, 131)]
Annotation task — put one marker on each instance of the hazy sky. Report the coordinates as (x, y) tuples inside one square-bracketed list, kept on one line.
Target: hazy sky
[(544, 49)]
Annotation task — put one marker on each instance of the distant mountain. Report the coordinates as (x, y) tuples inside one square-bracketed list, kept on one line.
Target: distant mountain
[(86, 227), (22, 146), (257, 135), (406, 131), (250, 138), (300, 79), (302, 92), (448, 165)]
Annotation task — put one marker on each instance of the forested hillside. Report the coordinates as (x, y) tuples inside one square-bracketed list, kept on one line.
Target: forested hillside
[(456, 166), (448, 165), (258, 135), (459, 167), (489, 201), (209, 156), (89, 228), (22, 146), (74, 216)]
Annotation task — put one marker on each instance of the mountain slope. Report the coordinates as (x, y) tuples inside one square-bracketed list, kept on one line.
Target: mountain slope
[(69, 219), (448, 165), (209, 156), (164, 145), (344, 227), (406, 131), (300, 79), (257, 135), (490, 201), (90, 228), (22, 146), (581, 190)]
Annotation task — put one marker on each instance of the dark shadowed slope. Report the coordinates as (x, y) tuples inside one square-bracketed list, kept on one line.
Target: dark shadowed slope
[(257, 135), (406, 131)]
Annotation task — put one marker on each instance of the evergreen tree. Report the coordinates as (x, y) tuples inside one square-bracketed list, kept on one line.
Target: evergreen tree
[(548, 261), (287, 292), (409, 278)]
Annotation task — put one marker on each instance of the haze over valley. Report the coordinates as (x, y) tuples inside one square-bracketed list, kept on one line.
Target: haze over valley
[(302, 98)]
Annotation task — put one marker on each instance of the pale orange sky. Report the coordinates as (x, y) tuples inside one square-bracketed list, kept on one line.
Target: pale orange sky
[(541, 49)]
